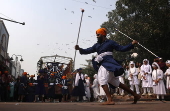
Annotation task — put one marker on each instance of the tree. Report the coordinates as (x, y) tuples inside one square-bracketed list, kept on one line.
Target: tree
[(147, 21), (89, 70)]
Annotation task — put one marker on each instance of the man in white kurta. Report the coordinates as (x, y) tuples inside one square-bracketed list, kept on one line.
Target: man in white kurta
[(146, 71), (133, 79), (79, 90), (167, 74), (95, 87), (158, 84), (121, 79), (87, 87)]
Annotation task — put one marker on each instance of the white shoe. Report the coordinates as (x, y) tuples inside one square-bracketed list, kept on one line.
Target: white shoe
[(143, 94), (102, 101), (115, 94), (149, 94), (122, 94)]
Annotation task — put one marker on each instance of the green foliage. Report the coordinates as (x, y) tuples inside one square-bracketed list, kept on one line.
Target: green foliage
[(147, 21)]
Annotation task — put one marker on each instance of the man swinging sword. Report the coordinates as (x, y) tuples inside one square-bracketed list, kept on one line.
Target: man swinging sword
[(107, 67)]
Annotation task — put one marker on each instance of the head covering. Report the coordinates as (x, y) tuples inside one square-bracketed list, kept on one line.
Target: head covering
[(160, 58), (101, 31), (52, 74), (155, 64), (6, 72), (131, 62), (95, 76), (24, 73), (132, 69), (63, 77), (79, 69), (32, 76), (168, 61), (146, 60), (30, 84), (86, 75)]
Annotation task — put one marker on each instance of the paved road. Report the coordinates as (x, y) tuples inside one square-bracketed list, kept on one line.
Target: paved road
[(90, 106)]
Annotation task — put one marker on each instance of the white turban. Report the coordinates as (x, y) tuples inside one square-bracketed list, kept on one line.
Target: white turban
[(168, 61), (155, 64), (131, 62), (86, 75), (145, 60), (95, 76)]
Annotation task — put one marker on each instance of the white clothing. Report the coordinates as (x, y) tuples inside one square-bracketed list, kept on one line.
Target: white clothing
[(126, 74), (134, 79), (121, 78), (105, 77), (77, 79), (139, 74), (121, 91), (95, 87), (87, 88), (160, 87), (167, 74), (101, 91), (99, 57), (146, 79), (136, 87), (148, 90)]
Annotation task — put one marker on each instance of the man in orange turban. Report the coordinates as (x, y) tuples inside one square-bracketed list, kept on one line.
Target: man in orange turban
[(24, 73), (108, 68), (101, 35), (52, 74), (22, 86), (101, 31), (63, 77)]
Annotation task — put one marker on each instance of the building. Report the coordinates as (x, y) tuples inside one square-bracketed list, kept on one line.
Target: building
[(4, 57), (16, 68)]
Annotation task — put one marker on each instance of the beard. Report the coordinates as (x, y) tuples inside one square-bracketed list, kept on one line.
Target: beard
[(99, 40)]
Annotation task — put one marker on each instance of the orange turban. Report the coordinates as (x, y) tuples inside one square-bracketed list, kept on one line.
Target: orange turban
[(52, 74), (63, 77), (6, 72), (101, 31), (30, 84), (32, 76), (24, 73)]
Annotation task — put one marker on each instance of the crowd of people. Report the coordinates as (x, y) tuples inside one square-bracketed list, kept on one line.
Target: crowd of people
[(143, 78), (51, 86), (148, 79)]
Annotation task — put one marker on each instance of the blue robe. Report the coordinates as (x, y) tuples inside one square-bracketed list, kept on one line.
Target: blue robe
[(22, 86), (108, 61)]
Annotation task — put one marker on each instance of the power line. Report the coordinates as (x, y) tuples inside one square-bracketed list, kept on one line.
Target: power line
[(6, 16)]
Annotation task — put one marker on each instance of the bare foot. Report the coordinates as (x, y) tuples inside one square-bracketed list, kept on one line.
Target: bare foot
[(136, 98), (108, 103)]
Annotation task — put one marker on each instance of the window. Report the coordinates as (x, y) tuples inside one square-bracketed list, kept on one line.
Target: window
[(3, 43)]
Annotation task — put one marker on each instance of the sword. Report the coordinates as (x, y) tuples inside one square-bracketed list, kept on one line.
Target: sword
[(138, 42)]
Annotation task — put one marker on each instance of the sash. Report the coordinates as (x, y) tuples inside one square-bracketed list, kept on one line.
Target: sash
[(96, 61)]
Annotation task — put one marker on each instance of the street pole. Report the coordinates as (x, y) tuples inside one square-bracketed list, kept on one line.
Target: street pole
[(12, 21), (16, 59)]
